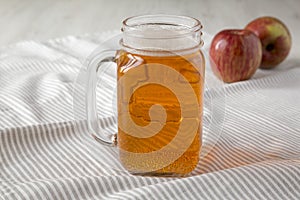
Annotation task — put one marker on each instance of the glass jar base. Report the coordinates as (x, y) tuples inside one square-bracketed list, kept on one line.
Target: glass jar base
[(159, 174)]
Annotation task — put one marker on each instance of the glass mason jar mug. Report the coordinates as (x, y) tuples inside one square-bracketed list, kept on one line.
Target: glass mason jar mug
[(160, 80)]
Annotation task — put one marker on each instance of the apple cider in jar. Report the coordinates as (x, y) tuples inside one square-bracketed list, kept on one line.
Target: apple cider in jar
[(160, 89), (190, 67)]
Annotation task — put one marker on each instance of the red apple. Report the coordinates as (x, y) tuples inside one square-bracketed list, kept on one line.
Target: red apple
[(235, 55), (275, 38)]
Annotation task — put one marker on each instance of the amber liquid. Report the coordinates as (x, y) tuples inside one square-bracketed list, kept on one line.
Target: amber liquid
[(191, 67)]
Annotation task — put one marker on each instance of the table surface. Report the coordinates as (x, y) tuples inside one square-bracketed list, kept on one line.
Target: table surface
[(41, 20)]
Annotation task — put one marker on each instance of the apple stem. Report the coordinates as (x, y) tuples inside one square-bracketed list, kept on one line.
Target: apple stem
[(270, 47)]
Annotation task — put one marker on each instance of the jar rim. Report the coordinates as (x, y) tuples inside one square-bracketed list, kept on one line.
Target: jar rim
[(187, 24)]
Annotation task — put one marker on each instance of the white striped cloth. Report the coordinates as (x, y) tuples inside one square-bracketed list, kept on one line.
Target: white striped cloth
[(44, 157)]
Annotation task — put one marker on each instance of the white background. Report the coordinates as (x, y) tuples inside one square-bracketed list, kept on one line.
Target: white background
[(44, 19)]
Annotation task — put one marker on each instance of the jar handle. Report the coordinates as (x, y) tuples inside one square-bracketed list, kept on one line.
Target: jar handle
[(93, 68)]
